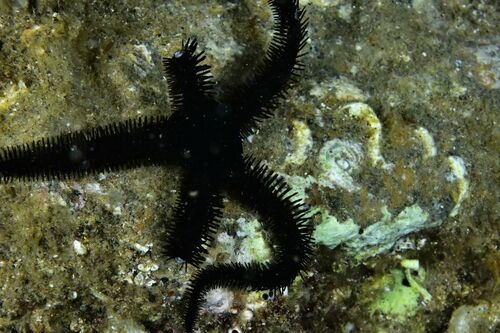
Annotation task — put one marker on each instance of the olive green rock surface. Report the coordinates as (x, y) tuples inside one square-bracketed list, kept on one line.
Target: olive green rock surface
[(391, 135)]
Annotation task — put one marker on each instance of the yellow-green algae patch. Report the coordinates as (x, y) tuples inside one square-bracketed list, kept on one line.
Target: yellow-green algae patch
[(378, 237), (253, 247), (302, 143), (397, 299)]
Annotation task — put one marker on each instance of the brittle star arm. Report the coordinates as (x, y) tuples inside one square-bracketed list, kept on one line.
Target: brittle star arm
[(197, 211), (285, 219), (142, 141), (254, 100), (199, 205), (189, 81)]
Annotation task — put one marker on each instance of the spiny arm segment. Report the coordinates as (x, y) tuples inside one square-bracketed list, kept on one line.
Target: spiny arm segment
[(284, 217), (188, 79), (124, 145), (196, 214), (255, 99)]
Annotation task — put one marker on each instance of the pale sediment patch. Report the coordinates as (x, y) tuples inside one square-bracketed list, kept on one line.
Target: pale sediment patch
[(427, 141), (364, 112), (457, 175), (302, 143)]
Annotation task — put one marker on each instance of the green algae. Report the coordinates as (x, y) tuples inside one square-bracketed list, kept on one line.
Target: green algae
[(253, 247), (396, 299), (377, 238), (400, 302), (382, 235), (331, 233)]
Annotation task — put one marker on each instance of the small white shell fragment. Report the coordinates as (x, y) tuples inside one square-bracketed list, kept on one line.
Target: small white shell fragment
[(73, 294), (99, 295), (142, 248), (458, 173), (148, 267), (421, 243), (427, 140), (246, 315), (93, 188), (79, 248), (139, 279), (149, 283), (117, 211)]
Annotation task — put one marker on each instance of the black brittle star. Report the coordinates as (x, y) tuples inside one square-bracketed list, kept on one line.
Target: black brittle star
[(204, 137)]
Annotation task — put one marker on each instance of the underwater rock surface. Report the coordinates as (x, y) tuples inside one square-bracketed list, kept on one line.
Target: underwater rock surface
[(391, 136)]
